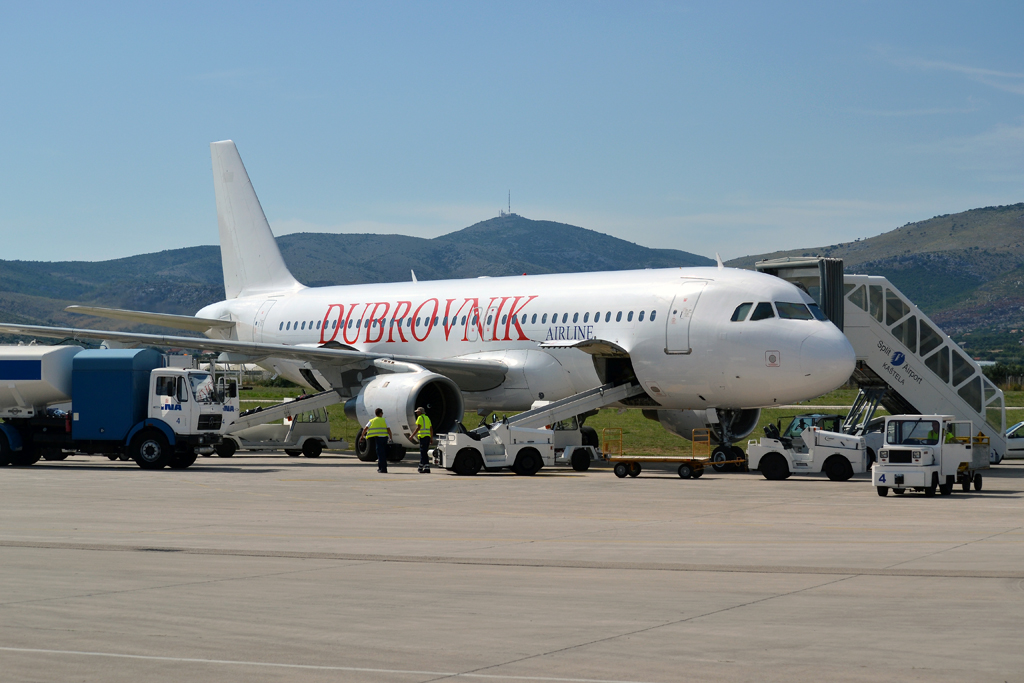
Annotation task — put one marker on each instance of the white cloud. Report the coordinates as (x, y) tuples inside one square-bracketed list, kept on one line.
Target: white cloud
[(1007, 81)]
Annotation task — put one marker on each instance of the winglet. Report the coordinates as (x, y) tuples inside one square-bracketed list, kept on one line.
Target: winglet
[(721, 266), (413, 275)]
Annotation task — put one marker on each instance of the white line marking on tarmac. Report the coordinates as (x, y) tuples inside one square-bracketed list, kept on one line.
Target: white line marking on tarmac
[(411, 672)]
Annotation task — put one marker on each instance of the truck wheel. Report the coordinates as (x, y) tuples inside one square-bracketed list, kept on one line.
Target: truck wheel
[(112, 456), (698, 472), (977, 482), (396, 453), (25, 457), (226, 448), (125, 457), (930, 489), (150, 450), (54, 454), (467, 462), (837, 468), (621, 470), (774, 467), (883, 491), (589, 437), (965, 483), (899, 492), (946, 489), (528, 462), (5, 451), (634, 469), (181, 462), (685, 471), (312, 448), (580, 460)]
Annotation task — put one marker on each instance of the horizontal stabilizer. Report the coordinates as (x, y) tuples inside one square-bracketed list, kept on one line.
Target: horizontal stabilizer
[(178, 322)]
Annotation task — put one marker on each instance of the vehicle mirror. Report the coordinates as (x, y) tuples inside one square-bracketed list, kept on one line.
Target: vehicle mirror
[(232, 389)]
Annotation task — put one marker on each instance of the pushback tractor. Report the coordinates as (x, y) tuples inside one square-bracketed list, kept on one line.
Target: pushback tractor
[(929, 453)]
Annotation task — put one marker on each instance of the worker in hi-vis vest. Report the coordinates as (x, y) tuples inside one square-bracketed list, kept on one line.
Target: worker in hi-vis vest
[(377, 434), (423, 432)]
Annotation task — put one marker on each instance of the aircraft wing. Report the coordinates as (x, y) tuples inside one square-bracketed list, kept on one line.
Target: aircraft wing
[(181, 322), (469, 374)]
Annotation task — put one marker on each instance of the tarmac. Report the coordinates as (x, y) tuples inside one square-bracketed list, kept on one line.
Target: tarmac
[(270, 568)]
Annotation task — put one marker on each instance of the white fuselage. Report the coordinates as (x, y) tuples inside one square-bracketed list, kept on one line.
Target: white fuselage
[(674, 324)]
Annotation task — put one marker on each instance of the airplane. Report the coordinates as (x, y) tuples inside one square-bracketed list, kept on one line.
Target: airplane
[(710, 346)]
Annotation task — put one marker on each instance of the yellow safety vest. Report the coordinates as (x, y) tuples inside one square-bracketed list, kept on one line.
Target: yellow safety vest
[(377, 427), (423, 422)]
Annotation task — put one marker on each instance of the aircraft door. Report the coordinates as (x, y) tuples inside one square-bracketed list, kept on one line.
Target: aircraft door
[(489, 323), (258, 332), (472, 322), (677, 325)]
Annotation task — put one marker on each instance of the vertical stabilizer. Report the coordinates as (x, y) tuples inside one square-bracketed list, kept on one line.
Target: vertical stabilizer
[(250, 257)]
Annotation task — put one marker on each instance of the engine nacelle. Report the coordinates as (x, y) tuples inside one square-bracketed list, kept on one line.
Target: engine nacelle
[(733, 425), (399, 394)]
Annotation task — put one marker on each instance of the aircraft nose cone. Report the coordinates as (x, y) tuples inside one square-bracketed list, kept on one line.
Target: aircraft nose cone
[(827, 359)]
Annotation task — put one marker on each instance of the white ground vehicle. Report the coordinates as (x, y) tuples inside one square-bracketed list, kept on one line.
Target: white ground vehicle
[(521, 449), (929, 453), (306, 432), (811, 450)]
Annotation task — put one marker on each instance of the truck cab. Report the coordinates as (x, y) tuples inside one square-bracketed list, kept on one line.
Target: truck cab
[(187, 400), (928, 453)]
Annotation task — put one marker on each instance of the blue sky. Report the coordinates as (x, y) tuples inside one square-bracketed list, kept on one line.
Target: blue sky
[(729, 127)]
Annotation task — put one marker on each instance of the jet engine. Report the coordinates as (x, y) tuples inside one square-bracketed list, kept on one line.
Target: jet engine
[(732, 425), (399, 394)]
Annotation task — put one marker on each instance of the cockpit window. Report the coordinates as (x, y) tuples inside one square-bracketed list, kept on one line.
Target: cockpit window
[(792, 311), (740, 314), (763, 311), (817, 312)]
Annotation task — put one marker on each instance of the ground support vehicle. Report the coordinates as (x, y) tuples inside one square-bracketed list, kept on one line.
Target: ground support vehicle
[(689, 467), (521, 449), (304, 428), (519, 443), (120, 402), (929, 453), (814, 450)]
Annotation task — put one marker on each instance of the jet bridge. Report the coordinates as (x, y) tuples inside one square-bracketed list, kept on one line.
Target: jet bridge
[(905, 362)]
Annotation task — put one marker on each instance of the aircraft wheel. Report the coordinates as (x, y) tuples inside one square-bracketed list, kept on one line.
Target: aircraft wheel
[(621, 470), (589, 437), (720, 455)]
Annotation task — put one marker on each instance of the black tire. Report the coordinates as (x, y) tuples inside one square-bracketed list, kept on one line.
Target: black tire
[(226, 448), (738, 454), (580, 460), (467, 462), (589, 437), (946, 489), (774, 467), (150, 450), (931, 488), (871, 457), (292, 453), (54, 454), (635, 469), (124, 457), (528, 462), (721, 454), (883, 491), (965, 483), (698, 472), (181, 462), (312, 448), (5, 451), (899, 492), (396, 453), (977, 482), (112, 456), (837, 468), (363, 451), (28, 455), (685, 471), (621, 470)]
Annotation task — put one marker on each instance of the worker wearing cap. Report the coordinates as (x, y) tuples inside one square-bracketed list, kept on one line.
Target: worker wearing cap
[(424, 432), (377, 433)]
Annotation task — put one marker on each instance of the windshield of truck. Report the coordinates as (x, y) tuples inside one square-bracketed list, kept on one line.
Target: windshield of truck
[(798, 425), (311, 416), (203, 388), (569, 425), (912, 432)]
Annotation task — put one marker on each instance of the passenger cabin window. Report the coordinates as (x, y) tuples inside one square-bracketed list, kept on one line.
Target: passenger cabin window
[(653, 314), (597, 317), (740, 314), (618, 317), (790, 311), (565, 318), (544, 319), (629, 317), (586, 317), (281, 326), (608, 316), (763, 311), (640, 318), (575, 317), (533, 320)]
